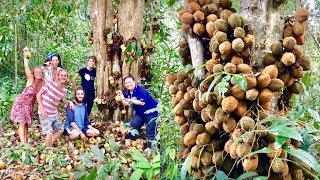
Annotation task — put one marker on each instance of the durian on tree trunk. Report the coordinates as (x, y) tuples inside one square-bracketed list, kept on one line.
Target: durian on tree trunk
[(128, 22)]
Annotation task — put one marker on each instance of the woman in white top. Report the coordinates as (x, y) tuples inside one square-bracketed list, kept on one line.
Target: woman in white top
[(51, 72)]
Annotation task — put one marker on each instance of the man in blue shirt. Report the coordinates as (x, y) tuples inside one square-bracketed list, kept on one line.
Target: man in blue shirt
[(145, 108), (77, 123), (88, 74)]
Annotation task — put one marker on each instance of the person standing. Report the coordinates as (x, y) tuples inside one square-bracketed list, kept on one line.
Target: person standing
[(51, 72), (49, 98), (77, 122), (22, 108), (145, 108), (88, 75)]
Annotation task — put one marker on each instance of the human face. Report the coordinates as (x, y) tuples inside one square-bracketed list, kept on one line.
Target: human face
[(91, 63), (79, 96), (54, 61), (37, 72), (129, 84), (63, 77)]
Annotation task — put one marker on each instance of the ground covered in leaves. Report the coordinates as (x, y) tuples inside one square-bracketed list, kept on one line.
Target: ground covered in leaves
[(109, 156)]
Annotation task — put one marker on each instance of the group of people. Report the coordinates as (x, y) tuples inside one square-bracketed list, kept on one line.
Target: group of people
[(47, 86)]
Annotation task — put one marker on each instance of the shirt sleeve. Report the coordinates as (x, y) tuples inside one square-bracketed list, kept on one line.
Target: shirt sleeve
[(70, 114), (141, 94), (45, 87), (81, 72)]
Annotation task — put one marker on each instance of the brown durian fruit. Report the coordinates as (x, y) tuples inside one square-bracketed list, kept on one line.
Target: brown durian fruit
[(289, 43), (202, 2), (221, 25), (243, 149), (288, 58), (233, 150), (198, 128), (262, 130), (194, 162), (252, 94), (263, 80), (217, 68), (211, 110), (225, 14), (250, 139), (277, 165), (189, 113), (198, 16), (304, 61), (221, 36), (213, 145), (288, 31), (195, 82), (210, 63), (251, 81), (210, 28), (230, 68), (193, 7), (207, 97), (239, 32), (246, 53), (237, 92), (187, 82), (269, 59), (250, 163), (225, 4), (180, 120), (227, 145), (237, 133), (281, 67), (206, 158), (210, 128), (178, 110), (212, 8), (184, 129), (277, 48), (197, 173), (274, 153), (181, 75), (265, 95), (276, 85), (225, 48), (297, 174), (170, 78), (198, 28), (214, 46), (183, 44), (182, 87), (184, 104), (204, 115), (185, 28), (229, 104), (203, 138), (221, 116), (298, 28), (190, 138), (196, 105), (191, 126), (192, 92), (187, 18), (217, 158), (244, 68), (236, 60), (183, 153), (174, 100), (266, 105), (300, 39), (272, 70), (181, 12), (211, 18), (173, 89), (230, 125), (296, 87), (195, 150), (296, 71), (247, 123), (237, 45), (234, 20), (284, 76), (296, 143), (249, 40), (301, 14), (241, 109)]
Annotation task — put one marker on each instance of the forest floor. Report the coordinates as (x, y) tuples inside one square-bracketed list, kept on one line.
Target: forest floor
[(108, 155)]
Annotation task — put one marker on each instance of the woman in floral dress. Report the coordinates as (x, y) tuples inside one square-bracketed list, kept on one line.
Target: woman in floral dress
[(23, 105)]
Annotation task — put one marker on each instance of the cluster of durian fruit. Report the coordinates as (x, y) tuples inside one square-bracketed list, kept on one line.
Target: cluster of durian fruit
[(210, 122)]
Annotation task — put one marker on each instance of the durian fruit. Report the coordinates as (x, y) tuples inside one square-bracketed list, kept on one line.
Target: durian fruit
[(214, 45), (244, 68), (183, 153), (198, 16), (296, 71), (173, 89), (296, 87), (281, 67), (243, 149), (230, 68), (221, 116), (298, 28), (251, 80), (241, 109), (250, 163), (194, 162), (304, 61), (275, 152), (247, 123), (210, 28), (221, 25), (180, 120), (187, 18), (236, 60), (198, 128), (238, 45), (210, 128), (225, 14), (227, 145), (229, 104), (263, 80), (262, 130), (269, 59), (203, 138), (265, 95), (217, 158), (199, 28), (288, 31), (211, 18), (289, 43), (225, 48), (277, 165), (276, 85), (230, 125), (249, 40), (221, 36), (300, 39), (213, 145), (301, 14), (225, 4), (277, 48), (239, 32), (185, 28), (206, 158), (193, 7), (297, 174), (272, 70), (233, 150), (252, 94), (288, 58), (190, 138), (184, 129), (266, 105), (237, 92), (237, 133), (234, 20), (183, 44), (212, 8)]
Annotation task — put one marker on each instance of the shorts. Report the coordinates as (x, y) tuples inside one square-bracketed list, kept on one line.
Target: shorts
[(67, 131), (50, 124)]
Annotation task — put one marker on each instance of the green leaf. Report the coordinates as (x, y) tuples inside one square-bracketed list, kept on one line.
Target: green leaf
[(212, 85), (240, 80), (307, 80), (93, 174), (156, 165), (139, 51), (149, 174), (220, 175), (129, 48), (247, 175), (136, 155), (268, 119), (143, 164), (102, 172), (156, 159), (80, 173), (113, 145), (304, 156), (97, 152), (86, 159), (280, 140), (314, 114), (172, 153), (130, 59), (156, 171), (260, 151), (223, 86), (136, 175), (260, 178), (246, 134), (184, 168), (286, 132)]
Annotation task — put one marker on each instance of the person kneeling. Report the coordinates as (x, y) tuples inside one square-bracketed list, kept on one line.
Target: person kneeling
[(77, 122)]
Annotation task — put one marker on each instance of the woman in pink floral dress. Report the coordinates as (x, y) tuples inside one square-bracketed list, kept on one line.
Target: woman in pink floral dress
[(23, 105)]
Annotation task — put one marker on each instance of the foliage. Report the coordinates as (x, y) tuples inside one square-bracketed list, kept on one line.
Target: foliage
[(143, 166)]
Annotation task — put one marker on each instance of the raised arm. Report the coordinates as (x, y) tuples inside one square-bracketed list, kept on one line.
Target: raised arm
[(28, 71), (41, 109), (74, 80)]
